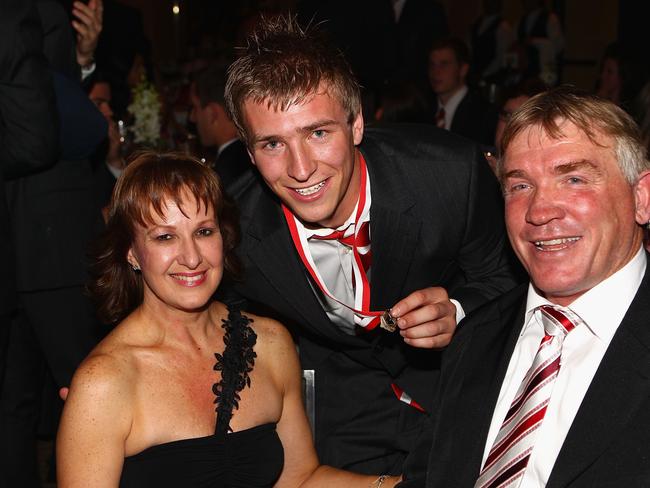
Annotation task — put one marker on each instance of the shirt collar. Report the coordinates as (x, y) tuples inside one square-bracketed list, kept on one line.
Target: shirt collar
[(454, 100), (225, 145), (603, 307)]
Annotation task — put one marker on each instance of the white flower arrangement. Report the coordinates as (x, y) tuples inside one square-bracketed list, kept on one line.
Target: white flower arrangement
[(145, 108)]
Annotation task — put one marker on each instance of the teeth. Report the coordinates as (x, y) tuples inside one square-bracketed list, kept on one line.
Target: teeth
[(556, 242), (311, 190), (189, 279)]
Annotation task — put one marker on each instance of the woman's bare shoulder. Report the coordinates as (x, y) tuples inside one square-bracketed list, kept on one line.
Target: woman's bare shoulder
[(271, 334)]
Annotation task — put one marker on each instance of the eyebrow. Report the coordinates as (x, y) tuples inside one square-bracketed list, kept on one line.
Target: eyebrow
[(581, 164), (308, 128), (560, 169)]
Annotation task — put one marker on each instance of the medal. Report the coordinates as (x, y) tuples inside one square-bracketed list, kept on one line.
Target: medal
[(388, 322)]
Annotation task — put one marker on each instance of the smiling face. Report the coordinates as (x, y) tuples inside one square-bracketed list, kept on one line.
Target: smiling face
[(570, 212), (180, 256), (307, 156)]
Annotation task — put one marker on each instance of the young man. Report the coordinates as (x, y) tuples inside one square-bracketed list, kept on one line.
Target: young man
[(432, 211), (214, 126), (547, 386), (458, 108)]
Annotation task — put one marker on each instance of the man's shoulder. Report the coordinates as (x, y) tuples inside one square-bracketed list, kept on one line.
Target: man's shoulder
[(500, 308), (416, 141)]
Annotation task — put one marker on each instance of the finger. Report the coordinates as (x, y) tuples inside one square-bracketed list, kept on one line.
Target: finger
[(426, 313), (87, 17), (428, 329), (63, 393), (98, 7), (417, 299), (81, 29), (437, 342)]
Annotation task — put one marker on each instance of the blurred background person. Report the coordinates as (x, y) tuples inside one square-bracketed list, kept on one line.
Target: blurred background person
[(458, 108), (52, 220), (215, 128)]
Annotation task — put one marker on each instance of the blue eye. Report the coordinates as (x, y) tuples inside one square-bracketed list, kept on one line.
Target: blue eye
[(319, 133)]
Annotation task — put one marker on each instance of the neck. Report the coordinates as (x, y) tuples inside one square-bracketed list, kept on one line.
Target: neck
[(444, 97), (179, 326)]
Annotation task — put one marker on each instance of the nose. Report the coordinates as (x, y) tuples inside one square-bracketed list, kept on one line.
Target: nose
[(190, 254), (544, 206), (301, 164)]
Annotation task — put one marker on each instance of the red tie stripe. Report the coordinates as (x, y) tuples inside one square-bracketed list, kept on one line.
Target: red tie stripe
[(358, 242), (509, 455)]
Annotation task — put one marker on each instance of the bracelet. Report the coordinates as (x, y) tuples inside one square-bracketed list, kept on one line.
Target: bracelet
[(379, 481)]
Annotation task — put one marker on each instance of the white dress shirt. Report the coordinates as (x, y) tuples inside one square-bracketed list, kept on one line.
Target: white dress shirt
[(601, 309), (452, 104), (334, 263)]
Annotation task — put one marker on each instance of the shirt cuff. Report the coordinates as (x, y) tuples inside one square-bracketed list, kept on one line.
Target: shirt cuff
[(460, 313), (86, 71)]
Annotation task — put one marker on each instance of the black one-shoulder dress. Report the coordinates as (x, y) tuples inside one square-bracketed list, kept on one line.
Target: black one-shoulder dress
[(249, 458)]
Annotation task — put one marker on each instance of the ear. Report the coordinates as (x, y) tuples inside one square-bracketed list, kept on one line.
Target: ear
[(357, 128), (642, 198), (250, 155), (464, 69), (213, 111), (133, 261)]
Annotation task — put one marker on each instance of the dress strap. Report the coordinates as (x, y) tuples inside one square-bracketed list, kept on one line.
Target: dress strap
[(235, 364)]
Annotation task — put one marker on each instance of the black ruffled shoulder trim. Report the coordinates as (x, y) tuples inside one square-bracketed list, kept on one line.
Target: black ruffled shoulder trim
[(235, 364)]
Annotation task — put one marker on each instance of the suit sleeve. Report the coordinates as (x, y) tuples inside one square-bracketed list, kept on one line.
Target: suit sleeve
[(485, 257), (28, 122)]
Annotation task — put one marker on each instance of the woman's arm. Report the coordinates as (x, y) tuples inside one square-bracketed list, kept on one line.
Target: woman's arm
[(301, 466), (95, 424)]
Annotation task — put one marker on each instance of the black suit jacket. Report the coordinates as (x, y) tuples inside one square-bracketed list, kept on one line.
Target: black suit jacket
[(435, 219), (609, 440), (28, 122), (52, 212), (475, 119), (232, 163)]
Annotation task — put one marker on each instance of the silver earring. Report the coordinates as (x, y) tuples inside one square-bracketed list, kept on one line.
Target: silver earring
[(135, 267)]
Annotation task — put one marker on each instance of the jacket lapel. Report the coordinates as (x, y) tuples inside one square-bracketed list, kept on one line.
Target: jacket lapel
[(272, 251), (482, 382), (394, 233), (624, 373)]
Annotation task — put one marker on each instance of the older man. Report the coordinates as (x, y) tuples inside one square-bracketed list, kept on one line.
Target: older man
[(548, 386)]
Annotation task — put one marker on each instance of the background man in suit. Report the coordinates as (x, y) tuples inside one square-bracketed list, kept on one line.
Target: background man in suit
[(577, 194), (434, 232), (215, 127), (457, 107), (28, 125), (51, 216), (108, 160)]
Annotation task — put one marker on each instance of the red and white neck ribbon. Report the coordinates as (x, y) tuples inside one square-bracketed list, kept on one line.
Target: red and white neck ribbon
[(363, 316)]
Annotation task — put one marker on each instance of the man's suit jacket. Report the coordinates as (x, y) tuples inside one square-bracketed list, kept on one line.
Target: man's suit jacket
[(52, 212), (28, 123), (435, 220), (232, 163), (475, 119), (609, 440)]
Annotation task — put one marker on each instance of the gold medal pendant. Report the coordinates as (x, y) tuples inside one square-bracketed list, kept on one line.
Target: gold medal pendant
[(387, 322)]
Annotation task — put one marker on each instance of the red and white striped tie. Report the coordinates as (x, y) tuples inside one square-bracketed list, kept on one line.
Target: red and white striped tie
[(509, 455)]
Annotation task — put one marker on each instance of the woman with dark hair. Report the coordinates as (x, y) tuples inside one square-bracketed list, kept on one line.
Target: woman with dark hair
[(140, 411)]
